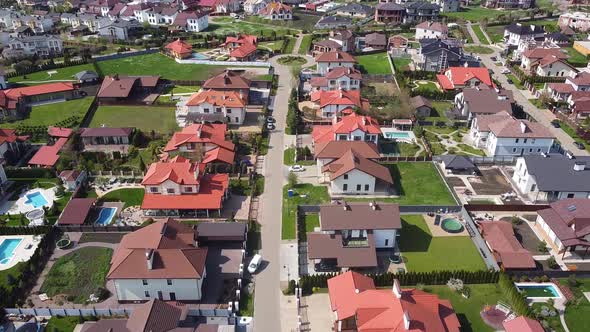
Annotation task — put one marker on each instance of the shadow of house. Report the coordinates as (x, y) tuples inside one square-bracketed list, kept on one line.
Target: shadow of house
[(413, 238)]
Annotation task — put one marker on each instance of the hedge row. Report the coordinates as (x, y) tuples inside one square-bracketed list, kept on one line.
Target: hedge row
[(524, 77), (516, 298), (29, 173)]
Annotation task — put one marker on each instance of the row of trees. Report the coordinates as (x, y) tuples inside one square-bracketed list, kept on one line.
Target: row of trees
[(513, 295), (294, 118)]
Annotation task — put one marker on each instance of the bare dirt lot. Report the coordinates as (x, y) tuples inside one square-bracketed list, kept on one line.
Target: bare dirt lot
[(491, 182)]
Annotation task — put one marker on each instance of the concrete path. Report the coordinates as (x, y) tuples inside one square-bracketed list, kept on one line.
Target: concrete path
[(472, 34), (297, 44)]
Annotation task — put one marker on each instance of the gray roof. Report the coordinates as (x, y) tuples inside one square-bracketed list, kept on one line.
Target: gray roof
[(221, 229), (85, 75), (357, 8), (457, 162), (556, 172)]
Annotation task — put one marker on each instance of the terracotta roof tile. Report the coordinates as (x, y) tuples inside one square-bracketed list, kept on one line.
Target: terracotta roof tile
[(499, 235), (336, 56), (351, 161)]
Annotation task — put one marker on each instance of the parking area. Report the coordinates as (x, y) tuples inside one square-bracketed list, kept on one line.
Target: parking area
[(319, 313)]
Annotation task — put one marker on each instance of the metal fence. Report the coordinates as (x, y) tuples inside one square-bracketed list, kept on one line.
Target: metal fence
[(498, 160), (194, 310), (504, 208)]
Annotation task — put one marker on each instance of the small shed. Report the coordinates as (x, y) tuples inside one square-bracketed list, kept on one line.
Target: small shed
[(76, 211), (422, 105), (86, 76), (457, 164)]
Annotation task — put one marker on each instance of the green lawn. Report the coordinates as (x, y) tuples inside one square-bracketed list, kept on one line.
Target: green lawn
[(517, 83), (78, 274), (468, 310), (65, 73), (227, 25), (374, 63), (289, 158), (305, 44), (426, 87), (482, 38), (130, 196), (439, 111), (572, 133), (576, 58), (576, 316), (158, 64), (146, 118), (303, 194), (496, 33), (408, 150), (290, 45), (272, 45), (401, 64), (478, 49), (423, 253), (242, 186), (62, 324), (471, 150), (474, 14), (52, 114), (312, 221)]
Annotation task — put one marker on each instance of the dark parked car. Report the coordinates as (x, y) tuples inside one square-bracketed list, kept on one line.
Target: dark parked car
[(579, 145), (510, 81), (555, 124), (494, 59)]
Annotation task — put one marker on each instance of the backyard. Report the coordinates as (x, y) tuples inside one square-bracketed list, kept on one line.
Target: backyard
[(375, 63), (305, 44), (576, 315), (62, 324), (572, 133), (53, 114), (65, 73), (423, 253), (146, 118), (482, 38), (78, 274), (303, 194), (401, 63), (130, 196), (474, 14), (576, 58), (477, 49)]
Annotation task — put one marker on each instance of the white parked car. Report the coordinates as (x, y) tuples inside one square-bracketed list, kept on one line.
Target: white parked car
[(296, 168), (270, 119), (270, 126), (254, 263), (505, 71)]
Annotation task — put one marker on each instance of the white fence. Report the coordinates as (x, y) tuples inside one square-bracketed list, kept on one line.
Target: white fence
[(196, 311), (224, 63)]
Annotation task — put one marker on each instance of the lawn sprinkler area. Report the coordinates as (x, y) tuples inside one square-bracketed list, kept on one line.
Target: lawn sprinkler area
[(15, 249), (30, 200)]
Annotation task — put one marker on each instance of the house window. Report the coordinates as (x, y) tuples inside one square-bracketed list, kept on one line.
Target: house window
[(169, 282), (513, 150), (358, 187), (345, 176), (345, 187), (530, 150), (525, 140), (228, 111), (205, 110), (146, 293), (366, 187), (218, 110), (570, 195), (516, 140), (144, 282), (154, 189), (386, 242), (170, 190), (188, 189), (539, 150), (533, 187)]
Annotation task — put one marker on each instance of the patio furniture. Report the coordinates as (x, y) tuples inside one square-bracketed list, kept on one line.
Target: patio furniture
[(43, 297)]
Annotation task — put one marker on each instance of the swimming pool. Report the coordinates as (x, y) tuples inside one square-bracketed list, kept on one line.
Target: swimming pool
[(199, 56), (105, 216), (534, 290), (36, 199), (7, 248), (452, 225), (397, 134)]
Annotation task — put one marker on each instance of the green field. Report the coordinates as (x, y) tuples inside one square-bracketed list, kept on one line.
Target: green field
[(51, 114), (303, 194), (572, 133), (146, 118), (374, 63), (401, 64), (228, 25), (478, 49), (78, 274), (62, 324), (65, 73), (423, 253), (576, 316), (474, 14), (482, 38), (130, 196), (576, 58), (305, 44), (275, 46)]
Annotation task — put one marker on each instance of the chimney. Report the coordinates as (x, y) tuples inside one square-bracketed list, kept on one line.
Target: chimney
[(241, 95), (396, 289), (579, 166), (406, 320), (364, 120), (569, 155), (149, 257), (523, 127)]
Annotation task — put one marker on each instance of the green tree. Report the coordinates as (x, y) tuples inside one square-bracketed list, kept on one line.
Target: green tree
[(141, 164), (292, 179)]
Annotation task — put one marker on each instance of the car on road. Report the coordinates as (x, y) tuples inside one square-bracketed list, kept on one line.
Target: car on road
[(271, 126), (505, 71), (254, 263), (509, 81), (494, 58), (296, 168), (579, 145), (555, 124)]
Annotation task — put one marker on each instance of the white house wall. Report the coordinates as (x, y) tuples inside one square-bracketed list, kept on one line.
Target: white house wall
[(134, 289), (385, 238), (355, 177)]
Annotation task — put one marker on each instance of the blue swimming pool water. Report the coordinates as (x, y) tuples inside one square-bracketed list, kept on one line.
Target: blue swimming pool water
[(397, 134), (547, 290), (36, 199), (105, 216), (199, 56), (7, 248)]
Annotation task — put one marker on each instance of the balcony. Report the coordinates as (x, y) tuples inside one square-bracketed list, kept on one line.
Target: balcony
[(355, 242)]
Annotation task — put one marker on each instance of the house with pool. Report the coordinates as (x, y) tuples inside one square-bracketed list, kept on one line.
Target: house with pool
[(86, 211), (17, 248), (349, 127)]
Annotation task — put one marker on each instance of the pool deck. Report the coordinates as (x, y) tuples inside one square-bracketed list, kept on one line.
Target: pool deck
[(20, 253), (437, 231), (19, 206)]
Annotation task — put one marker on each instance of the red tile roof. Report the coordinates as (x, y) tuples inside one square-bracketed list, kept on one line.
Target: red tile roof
[(351, 161), (38, 90), (336, 56), (76, 211), (227, 80), (275, 7), (243, 51), (217, 98), (346, 125), (522, 324), (499, 235), (461, 75), (540, 53), (48, 155), (335, 149), (178, 170), (171, 245), (354, 295), (59, 132), (9, 136), (561, 87), (241, 39), (219, 154), (340, 97), (200, 133), (210, 196), (121, 86), (180, 47), (344, 71)]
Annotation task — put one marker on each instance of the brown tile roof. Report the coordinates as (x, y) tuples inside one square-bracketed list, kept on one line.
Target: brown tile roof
[(420, 101), (512, 127), (564, 214), (350, 161), (335, 149), (337, 56), (329, 44), (105, 132), (156, 316), (172, 246), (499, 235), (69, 175), (434, 26), (561, 87), (540, 53), (360, 216), (376, 39), (488, 100), (76, 211), (582, 78), (121, 86), (344, 71), (227, 80), (320, 245)]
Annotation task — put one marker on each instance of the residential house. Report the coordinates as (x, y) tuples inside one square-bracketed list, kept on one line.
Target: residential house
[(13, 102), (355, 10), (12, 146), (448, 6), (222, 234), (576, 20), (431, 30), (421, 11), (37, 24), (276, 11), (71, 179), (126, 89), (579, 105), (118, 29), (337, 102), (532, 58), (351, 127), (24, 46), (351, 169), (179, 49), (389, 12), (552, 66), (522, 324), (455, 78), (515, 33), (106, 140), (192, 21), (578, 82), (398, 42), (253, 7), (552, 177), (330, 60), (339, 40), (7, 16), (241, 47), (202, 142), (157, 15), (472, 102), (220, 6), (334, 22), (349, 235), (211, 106), (372, 42), (422, 105), (453, 164), (501, 134), (565, 224), (86, 76), (48, 155), (162, 260), (508, 252), (345, 78), (508, 4), (558, 38), (77, 211), (228, 80), (180, 187), (439, 54), (354, 300)]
